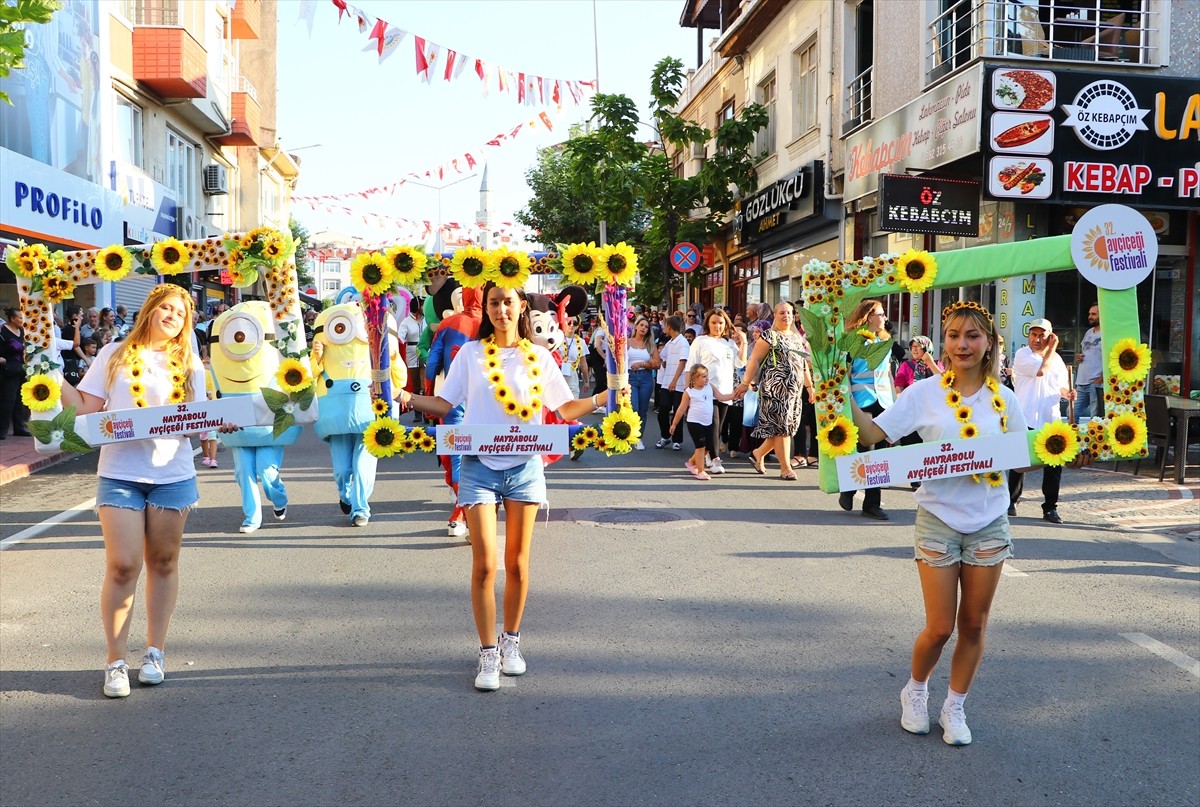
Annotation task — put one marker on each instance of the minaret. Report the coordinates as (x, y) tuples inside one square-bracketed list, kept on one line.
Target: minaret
[(483, 217)]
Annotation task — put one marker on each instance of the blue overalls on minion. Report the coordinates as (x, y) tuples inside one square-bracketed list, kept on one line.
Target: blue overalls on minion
[(342, 417)]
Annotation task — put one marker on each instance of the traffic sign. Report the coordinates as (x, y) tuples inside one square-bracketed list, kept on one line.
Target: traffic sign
[(685, 257)]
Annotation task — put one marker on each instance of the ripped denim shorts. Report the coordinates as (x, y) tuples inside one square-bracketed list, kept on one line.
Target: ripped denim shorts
[(179, 496), (940, 545)]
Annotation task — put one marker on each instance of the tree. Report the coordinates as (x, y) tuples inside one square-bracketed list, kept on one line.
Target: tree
[(13, 19), (557, 214), (613, 171), (304, 277)]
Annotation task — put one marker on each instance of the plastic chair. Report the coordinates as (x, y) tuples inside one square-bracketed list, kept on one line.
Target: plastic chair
[(1159, 432)]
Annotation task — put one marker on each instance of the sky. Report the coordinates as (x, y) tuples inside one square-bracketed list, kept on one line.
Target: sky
[(377, 122)]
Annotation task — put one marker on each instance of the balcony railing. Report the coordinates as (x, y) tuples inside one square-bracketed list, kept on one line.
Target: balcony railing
[(1109, 31), (242, 84), (151, 12), (858, 99)]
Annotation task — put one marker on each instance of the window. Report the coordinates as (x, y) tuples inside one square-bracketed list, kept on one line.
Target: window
[(764, 141), (861, 62), (270, 201), (1077, 30), (332, 284), (725, 114), (127, 137), (804, 88), (182, 170)]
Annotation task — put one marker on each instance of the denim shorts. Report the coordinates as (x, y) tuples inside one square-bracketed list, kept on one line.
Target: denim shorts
[(940, 545), (178, 496), (479, 484)]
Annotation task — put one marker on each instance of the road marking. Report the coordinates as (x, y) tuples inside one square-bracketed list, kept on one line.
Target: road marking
[(1008, 570), (38, 529), (1181, 660)]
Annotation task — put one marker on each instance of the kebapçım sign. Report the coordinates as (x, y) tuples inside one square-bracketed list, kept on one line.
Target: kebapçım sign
[(915, 204), (1114, 247), (503, 440)]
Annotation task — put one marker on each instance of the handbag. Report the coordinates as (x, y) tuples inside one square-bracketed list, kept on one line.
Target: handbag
[(750, 408)]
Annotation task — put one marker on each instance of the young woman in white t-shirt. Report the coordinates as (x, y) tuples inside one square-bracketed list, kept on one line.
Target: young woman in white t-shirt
[(501, 376), (147, 487), (697, 406), (962, 533)]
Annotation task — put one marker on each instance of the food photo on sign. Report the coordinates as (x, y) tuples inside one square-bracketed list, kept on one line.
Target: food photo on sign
[(1018, 133), (1020, 179)]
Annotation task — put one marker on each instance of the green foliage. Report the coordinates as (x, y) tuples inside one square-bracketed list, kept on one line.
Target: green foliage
[(14, 16), (64, 423), (300, 238), (557, 213)]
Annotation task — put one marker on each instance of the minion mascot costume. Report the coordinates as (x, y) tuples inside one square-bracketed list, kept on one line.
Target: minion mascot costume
[(454, 331), (341, 363), (244, 359)]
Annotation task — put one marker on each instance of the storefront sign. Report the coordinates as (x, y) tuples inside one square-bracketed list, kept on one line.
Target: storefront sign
[(1114, 247), (935, 129), (508, 440), (103, 428), (925, 461), (786, 201), (1077, 137), (45, 203), (149, 206), (914, 204)]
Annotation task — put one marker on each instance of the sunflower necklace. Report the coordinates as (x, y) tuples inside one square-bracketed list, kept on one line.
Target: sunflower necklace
[(505, 395), (962, 415), (136, 370), (573, 364)]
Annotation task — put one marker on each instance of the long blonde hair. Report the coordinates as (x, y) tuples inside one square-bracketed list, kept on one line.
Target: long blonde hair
[(982, 320), (178, 348)]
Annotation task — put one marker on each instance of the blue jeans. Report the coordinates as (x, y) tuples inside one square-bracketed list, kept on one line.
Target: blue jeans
[(1089, 400), (642, 384), (178, 496), (480, 484)]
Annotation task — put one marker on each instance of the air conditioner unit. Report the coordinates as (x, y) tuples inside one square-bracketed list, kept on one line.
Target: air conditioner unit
[(699, 151), (216, 180), (187, 225)]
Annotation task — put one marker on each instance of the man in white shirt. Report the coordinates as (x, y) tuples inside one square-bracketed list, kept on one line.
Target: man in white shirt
[(409, 334), (1089, 375), (1040, 381), (674, 355)]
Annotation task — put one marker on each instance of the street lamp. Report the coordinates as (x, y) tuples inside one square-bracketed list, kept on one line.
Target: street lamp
[(437, 241)]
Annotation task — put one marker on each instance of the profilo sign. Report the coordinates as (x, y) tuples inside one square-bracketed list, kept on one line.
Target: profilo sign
[(914, 204)]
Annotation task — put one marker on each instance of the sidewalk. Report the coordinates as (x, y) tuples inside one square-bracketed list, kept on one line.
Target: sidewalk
[(19, 458), (1100, 496)]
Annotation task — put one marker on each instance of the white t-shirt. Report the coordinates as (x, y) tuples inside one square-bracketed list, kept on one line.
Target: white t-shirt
[(409, 333), (636, 355), (1092, 365), (467, 381), (158, 460), (962, 503), (1039, 394), (720, 356), (672, 353), (700, 405)]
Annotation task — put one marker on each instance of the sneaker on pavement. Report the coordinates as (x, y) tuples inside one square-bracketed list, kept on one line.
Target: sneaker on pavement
[(639, 446), (708, 462), (676, 446), (662, 443), (488, 677), (116, 680), (280, 513), (511, 662), (360, 520), (345, 505), (953, 721), (1052, 516), (703, 476), (914, 711), (152, 667), (717, 467), (246, 529), (1012, 511), (456, 529)]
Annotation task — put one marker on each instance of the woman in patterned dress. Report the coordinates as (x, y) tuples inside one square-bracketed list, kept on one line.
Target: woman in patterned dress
[(782, 374)]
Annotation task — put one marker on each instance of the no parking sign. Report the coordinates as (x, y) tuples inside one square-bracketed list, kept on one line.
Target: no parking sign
[(685, 257)]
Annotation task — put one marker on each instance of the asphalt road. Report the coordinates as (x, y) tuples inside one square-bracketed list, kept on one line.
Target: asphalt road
[(741, 641)]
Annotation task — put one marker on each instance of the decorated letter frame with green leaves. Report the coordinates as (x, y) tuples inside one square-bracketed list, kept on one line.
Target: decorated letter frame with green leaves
[(832, 290)]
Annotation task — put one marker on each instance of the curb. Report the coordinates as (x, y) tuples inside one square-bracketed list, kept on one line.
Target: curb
[(21, 470)]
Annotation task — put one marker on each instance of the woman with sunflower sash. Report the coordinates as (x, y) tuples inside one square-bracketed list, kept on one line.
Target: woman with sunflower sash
[(962, 533), (504, 379), (147, 487)]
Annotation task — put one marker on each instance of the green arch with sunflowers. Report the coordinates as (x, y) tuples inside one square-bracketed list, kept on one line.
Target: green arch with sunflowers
[(831, 290)]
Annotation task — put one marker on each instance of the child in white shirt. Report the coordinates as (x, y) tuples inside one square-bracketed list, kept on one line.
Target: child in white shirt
[(697, 403)]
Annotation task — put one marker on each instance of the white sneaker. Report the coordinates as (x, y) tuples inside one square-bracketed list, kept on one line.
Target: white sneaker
[(639, 446), (511, 662), (676, 446), (246, 529), (456, 529), (360, 521), (152, 667), (280, 513), (914, 711), (488, 678), (953, 721), (116, 680), (716, 467), (662, 443), (708, 461)]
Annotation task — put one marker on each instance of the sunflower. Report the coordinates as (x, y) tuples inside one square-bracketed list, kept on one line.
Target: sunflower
[(580, 264), (512, 268), (40, 393), (502, 393), (947, 379), (1129, 361), (579, 442), (865, 334), (417, 434), (591, 433), (293, 376), (968, 431), (511, 407), (1056, 443), (496, 377), (916, 270), (427, 443), (56, 288), (170, 256), (839, 438), (472, 267), (963, 414), (136, 389), (1004, 423), (994, 478), (380, 407), (383, 437), (408, 264), (525, 413), (371, 272), (112, 263), (620, 263), (998, 404), (621, 428), (177, 396), (1128, 434)]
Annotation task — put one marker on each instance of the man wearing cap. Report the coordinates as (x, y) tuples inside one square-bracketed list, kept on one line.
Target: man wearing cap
[(1040, 381)]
